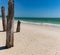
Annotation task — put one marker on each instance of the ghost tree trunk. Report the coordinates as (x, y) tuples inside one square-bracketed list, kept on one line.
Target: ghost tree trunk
[(10, 25), (18, 26), (4, 21)]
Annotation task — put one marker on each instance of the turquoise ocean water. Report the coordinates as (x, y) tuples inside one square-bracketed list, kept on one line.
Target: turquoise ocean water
[(43, 21), (39, 20)]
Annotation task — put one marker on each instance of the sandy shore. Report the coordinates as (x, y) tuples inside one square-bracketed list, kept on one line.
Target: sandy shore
[(32, 40)]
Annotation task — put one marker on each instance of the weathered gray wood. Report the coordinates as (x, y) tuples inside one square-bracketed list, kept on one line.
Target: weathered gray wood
[(4, 20), (10, 25), (18, 26)]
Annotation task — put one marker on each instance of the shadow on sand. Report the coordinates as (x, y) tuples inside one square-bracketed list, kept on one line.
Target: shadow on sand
[(3, 48), (17, 32), (2, 31)]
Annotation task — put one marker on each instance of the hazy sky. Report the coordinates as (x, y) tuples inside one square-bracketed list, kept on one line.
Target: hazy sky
[(34, 8)]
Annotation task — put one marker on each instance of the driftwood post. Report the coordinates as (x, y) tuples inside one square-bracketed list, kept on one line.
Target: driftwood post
[(10, 25), (18, 26), (4, 21)]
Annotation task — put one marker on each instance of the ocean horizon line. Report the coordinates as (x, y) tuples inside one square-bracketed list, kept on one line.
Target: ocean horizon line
[(32, 17)]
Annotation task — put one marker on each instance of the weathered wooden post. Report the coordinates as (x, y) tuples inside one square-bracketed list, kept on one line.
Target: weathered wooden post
[(4, 20), (10, 25), (18, 26)]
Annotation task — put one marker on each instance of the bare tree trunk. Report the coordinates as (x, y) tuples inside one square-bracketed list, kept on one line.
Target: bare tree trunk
[(18, 26), (10, 25), (4, 20)]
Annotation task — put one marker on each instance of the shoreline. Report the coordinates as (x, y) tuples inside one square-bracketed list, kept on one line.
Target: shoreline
[(40, 24)]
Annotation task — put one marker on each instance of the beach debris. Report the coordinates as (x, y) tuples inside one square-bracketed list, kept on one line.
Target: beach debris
[(10, 25), (4, 20), (18, 26)]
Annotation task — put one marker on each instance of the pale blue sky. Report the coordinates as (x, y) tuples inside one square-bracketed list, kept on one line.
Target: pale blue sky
[(34, 8)]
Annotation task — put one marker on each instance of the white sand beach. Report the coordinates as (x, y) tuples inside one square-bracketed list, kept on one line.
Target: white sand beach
[(32, 40)]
